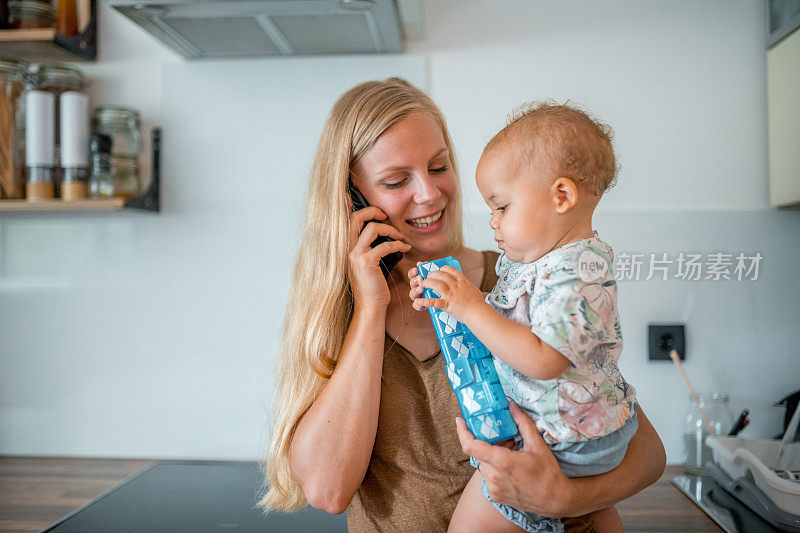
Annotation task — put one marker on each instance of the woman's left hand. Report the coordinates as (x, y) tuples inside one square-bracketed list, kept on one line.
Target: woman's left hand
[(528, 479)]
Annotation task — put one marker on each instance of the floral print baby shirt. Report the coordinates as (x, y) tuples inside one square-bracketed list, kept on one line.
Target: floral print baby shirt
[(575, 312)]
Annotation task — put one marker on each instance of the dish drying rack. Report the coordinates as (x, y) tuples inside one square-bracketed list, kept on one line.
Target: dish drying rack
[(763, 474), (791, 475)]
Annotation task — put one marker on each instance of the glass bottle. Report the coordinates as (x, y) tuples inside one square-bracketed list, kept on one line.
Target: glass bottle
[(101, 183), (695, 431), (67, 18), (12, 128), (123, 126)]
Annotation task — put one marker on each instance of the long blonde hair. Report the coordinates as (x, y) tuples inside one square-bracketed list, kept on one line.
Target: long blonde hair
[(313, 333)]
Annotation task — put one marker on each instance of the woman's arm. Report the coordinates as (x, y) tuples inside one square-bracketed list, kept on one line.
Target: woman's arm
[(642, 466), (333, 442), (530, 479), (332, 445)]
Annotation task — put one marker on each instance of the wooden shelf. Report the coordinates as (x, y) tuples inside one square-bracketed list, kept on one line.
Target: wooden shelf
[(38, 34), (148, 201), (110, 204)]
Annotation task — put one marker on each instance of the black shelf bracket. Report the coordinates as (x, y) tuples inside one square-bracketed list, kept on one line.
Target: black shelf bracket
[(85, 44), (150, 200)]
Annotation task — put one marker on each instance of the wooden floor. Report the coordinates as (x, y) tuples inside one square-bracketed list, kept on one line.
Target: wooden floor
[(35, 492)]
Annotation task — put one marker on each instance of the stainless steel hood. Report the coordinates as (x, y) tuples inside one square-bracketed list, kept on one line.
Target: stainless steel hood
[(259, 28)]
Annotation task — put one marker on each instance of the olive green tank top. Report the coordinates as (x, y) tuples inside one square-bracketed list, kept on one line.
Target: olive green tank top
[(417, 471)]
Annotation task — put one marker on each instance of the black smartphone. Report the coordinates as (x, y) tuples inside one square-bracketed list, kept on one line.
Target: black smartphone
[(389, 261)]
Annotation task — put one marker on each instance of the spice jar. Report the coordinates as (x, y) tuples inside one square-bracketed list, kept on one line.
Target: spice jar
[(101, 183), (74, 145), (12, 138), (39, 142), (695, 430), (122, 124), (57, 79), (30, 14)]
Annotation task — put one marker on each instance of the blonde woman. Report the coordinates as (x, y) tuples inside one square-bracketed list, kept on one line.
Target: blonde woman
[(366, 418)]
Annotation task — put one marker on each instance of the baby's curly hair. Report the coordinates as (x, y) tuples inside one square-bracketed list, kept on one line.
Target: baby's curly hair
[(563, 139)]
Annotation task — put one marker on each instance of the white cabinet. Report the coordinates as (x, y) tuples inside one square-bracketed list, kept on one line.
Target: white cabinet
[(783, 100)]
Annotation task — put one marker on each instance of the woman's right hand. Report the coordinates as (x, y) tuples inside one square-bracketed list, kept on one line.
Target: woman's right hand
[(415, 280), (366, 279), (528, 479), (531, 480)]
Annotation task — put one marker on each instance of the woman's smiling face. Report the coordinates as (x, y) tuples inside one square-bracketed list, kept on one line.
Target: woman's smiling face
[(408, 174)]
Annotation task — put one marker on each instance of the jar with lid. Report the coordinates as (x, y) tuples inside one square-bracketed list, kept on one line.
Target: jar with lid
[(123, 125), (58, 79), (12, 135), (695, 430), (30, 14)]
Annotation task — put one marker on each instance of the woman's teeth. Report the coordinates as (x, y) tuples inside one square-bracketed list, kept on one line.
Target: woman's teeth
[(426, 221)]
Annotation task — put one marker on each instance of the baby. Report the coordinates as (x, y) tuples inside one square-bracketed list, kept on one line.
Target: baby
[(551, 320)]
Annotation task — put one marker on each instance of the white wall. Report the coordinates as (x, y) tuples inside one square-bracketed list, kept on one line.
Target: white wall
[(154, 335), (682, 84)]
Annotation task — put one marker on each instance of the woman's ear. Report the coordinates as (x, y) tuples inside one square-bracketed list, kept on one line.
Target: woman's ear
[(565, 194)]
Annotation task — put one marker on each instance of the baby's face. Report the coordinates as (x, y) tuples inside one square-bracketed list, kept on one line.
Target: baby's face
[(524, 217)]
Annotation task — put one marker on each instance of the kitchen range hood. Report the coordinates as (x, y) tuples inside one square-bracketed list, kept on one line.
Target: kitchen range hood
[(261, 28)]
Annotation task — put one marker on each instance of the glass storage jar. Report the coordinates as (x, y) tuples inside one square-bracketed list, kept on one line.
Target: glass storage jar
[(57, 79), (695, 430), (12, 131), (30, 14), (123, 125)]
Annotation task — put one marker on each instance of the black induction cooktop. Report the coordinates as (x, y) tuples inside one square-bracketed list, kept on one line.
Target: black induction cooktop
[(196, 496)]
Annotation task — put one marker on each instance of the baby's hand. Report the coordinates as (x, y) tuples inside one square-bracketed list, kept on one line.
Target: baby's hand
[(457, 295)]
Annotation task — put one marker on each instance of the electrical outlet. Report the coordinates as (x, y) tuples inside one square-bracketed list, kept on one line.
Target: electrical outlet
[(663, 338)]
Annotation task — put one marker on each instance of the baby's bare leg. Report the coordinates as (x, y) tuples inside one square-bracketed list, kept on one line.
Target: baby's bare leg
[(475, 513), (607, 521)]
